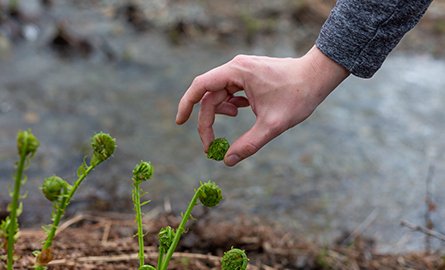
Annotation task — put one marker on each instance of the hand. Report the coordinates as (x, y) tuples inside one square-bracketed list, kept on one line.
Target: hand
[(281, 92)]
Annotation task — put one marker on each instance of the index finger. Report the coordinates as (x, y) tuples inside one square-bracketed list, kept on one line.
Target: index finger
[(220, 78)]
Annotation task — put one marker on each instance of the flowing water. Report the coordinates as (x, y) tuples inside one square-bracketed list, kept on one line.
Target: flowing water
[(360, 161)]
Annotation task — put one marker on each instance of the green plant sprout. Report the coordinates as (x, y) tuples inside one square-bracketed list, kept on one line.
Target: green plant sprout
[(165, 236), (209, 194), (218, 149), (234, 259), (60, 193), (142, 172), (27, 145)]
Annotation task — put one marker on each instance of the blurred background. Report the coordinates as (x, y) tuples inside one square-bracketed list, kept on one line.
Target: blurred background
[(371, 155)]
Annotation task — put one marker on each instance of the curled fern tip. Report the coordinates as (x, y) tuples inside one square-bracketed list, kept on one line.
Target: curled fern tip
[(210, 194), (143, 171), (27, 140), (53, 187), (234, 259), (103, 147), (218, 149), (166, 236)]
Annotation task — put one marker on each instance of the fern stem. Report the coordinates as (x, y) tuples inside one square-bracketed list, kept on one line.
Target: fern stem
[(61, 209), (137, 207), (13, 227), (179, 231), (160, 257)]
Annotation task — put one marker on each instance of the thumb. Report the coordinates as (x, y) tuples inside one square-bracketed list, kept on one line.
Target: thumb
[(250, 142)]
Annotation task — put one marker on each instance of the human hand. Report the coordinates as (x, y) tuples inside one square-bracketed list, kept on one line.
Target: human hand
[(281, 92)]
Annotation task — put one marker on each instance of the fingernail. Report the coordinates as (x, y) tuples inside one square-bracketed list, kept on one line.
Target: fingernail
[(232, 159)]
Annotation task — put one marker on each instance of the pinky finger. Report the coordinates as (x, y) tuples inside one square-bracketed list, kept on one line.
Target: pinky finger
[(239, 101), (227, 108)]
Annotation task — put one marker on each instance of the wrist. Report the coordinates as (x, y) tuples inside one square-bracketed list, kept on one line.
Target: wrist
[(323, 63), (327, 74)]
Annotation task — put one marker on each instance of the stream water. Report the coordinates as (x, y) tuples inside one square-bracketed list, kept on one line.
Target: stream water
[(361, 158)]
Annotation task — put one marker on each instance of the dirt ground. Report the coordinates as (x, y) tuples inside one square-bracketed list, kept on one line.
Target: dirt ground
[(106, 241)]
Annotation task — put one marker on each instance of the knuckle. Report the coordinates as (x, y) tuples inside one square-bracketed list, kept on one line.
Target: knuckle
[(206, 98), (198, 80), (274, 125), (242, 60), (248, 149)]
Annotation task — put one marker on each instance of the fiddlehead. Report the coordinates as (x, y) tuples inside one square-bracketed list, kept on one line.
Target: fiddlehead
[(141, 172), (218, 149), (166, 236), (103, 146), (53, 187), (210, 194), (234, 259), (27, 145)]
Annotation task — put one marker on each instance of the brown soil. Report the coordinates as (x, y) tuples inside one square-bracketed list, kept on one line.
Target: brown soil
[(105, 241)]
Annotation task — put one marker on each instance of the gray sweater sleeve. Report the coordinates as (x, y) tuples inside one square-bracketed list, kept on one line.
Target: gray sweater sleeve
[(359, 34)]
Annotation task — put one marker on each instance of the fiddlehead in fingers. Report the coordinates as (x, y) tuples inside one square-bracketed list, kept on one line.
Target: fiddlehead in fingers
[(218, 149)]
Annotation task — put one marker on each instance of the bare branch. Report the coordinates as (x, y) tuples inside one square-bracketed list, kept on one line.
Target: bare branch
[(424, 230)]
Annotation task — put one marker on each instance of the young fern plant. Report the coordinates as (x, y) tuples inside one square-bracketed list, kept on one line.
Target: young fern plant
[(142, 172), (209, 194), (60, 193), (165, 237), (234, 259), (27, 145)]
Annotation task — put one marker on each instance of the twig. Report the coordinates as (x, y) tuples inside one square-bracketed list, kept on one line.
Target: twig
[(149, 255), (360, 228), (106, 234), (132, 257), (114, 216), (429, 206), (424, 230), (69, 222)]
